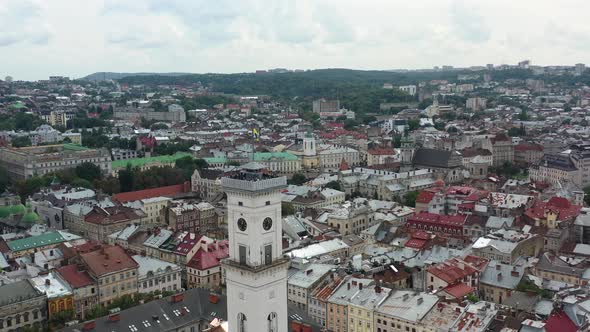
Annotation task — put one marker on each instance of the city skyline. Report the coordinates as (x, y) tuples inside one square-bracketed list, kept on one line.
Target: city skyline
[(179, 36)]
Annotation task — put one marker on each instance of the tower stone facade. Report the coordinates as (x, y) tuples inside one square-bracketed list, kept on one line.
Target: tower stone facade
[(256, 270)]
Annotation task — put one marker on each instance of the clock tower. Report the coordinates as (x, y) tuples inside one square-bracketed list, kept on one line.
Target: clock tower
[(256, 270)]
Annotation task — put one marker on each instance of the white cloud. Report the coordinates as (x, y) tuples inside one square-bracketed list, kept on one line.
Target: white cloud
[(40, 38)]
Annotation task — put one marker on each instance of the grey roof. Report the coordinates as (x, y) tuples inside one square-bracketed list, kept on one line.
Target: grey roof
[(169, 315), (310, 275), (407, 306), (502, 275), (522, 301), (549, 262), (147, 264), (432, 157), (18, 291), (499, 222)]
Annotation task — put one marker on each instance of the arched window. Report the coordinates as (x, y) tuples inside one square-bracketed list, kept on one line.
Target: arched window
[(272, 322), (241, 322)]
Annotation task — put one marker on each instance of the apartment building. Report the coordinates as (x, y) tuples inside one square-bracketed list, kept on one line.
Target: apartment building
[(301, 285), (115, 271), (157, 275), (24, 163)]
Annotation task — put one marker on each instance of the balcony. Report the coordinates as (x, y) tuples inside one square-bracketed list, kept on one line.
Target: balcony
[(268, 184)]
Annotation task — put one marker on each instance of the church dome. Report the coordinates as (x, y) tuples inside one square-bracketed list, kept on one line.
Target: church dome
[(18, 209), (30, 217)]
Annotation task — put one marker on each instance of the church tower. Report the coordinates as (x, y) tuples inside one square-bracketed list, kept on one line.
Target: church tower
[(310, 156), (309, 148), (406, 153), (256, 270)]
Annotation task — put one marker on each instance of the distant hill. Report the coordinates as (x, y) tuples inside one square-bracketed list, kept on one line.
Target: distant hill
[(117, 76)]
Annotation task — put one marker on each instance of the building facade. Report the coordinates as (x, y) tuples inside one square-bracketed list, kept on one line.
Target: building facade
[(24, 163)]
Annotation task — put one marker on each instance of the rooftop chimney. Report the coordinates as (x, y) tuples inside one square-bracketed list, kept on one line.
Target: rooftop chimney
[(360, 286), (348, 286), (47, 282), (499, 276), (419, 301), (514, 273)]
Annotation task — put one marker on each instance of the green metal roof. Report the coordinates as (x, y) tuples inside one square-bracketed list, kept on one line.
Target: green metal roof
[(18, 209), (265, 156), (30, 217), (36, 241), (119, 164), (215, 160)]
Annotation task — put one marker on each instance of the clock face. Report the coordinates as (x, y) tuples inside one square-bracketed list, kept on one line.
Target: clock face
[(267, 224), (242, 224)]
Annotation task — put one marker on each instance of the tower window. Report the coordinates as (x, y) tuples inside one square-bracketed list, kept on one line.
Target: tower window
[(240, 204), (242, 322), (267, 202)]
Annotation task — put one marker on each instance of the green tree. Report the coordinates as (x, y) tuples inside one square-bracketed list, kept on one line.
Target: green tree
[(410, 198), (297, 179), (126, 179), (413, 124), (334, 185), (20, 141), (4, 179), (350, 124), (287, 209), (88, 171)]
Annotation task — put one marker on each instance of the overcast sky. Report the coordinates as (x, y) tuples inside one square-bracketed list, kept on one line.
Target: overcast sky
[(39, 38)]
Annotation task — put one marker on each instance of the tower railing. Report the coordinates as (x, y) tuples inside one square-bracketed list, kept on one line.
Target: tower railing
[(254, 185)]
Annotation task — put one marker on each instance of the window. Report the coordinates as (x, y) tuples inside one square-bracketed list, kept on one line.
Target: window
[(267, 202), (240, 204), (242, 322)]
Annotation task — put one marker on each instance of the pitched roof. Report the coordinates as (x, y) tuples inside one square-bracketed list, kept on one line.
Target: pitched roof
[(113, 214), (170, 191), (560, 322), (18, 291), (165, 315), (459, 290), (36, 241), (206, 259), (108, 260), (432, 157), (425, 196), (75, 277)]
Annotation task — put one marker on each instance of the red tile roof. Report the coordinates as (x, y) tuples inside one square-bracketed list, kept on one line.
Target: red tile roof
[(452, 270), (439, 219), (108, 260), (151, 193), (415, 243), (528, 147), (425, 196), (560, 322), (73, 276), (381, 152), (206, 259), (459, 290), (113, 214), (189, 241), (559, 205)]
